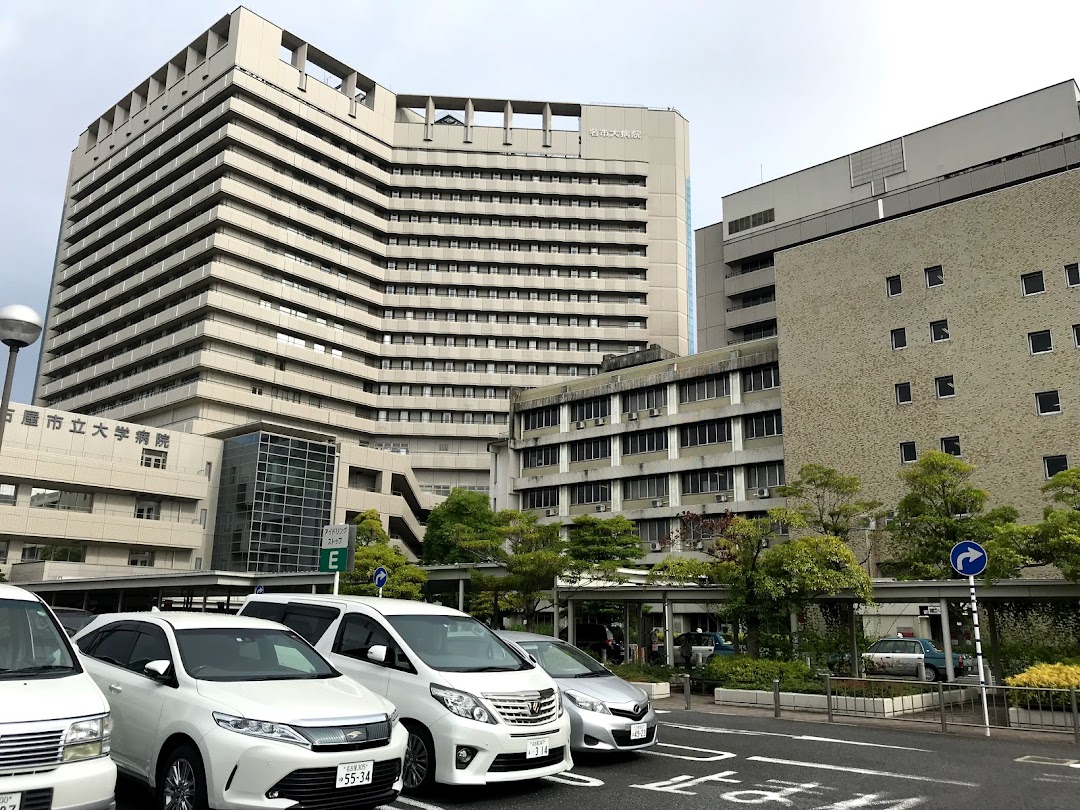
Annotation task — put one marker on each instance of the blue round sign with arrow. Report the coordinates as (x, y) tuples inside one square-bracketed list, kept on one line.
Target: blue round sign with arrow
[(379, 577), (968, 558)]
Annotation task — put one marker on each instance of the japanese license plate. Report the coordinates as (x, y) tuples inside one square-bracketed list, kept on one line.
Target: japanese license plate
[(354, 774), (10, 801), (639, 731), (537, 748)]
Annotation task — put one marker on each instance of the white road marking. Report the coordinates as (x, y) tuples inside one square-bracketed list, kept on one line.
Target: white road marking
[(881, 800), (576, 779), (865, 771), (415, 803), (662, 711), (805, 737), (717, 755), (763, 794), (678, 784)]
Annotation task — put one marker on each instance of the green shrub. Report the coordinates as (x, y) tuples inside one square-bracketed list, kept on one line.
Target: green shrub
[(740, 672), (642, 673), (1046, 685)]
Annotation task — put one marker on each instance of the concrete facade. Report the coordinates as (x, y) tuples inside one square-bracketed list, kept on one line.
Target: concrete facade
[(649, 442), (260, 231)]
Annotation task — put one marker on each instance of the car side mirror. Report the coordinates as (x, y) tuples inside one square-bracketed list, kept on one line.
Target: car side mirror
[(159, 670), (377, 653)]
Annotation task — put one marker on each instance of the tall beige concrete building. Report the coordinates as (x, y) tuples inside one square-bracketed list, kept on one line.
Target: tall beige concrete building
[(926, 296), (259, 231)]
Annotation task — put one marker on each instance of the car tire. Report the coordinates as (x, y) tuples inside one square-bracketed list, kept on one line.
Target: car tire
[(932, 674), (418, 771), (181, 783)]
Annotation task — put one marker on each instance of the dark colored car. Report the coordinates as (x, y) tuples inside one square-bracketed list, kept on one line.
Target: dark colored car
[(73, 619), (596, 639)]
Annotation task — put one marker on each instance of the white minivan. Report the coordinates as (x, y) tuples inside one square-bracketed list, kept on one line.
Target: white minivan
[(54, 722), (477, 710)]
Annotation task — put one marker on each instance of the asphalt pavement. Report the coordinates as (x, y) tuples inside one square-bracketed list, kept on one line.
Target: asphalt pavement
[(711, 760)]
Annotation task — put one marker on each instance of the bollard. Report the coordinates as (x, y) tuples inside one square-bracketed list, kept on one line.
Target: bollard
[(776, 697), (941, 704), (1076, 717), (686, 690), (922, 672), (828, 698)]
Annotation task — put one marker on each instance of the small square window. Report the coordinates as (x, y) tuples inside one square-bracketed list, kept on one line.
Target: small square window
[(1052, 465), (951, 445), (935, 276), (908, 454), (903, 393), (1040, 342), (894, 286), (1048, 403), (899, 338), (945, 387), (1072, 274), (939, 331), (1033, 283), (1076, 334)]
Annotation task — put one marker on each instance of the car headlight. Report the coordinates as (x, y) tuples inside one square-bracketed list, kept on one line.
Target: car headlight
[(462, 704), (394, 718), (88, 739), (261, 728), (586, 703), (559, 702)]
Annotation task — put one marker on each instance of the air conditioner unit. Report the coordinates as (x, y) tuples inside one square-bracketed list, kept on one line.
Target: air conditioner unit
[(659, 502), (763, 492), (654, 412), (631, 417), (655, 547), (579, 425), (552, 512), (721, 498), (599, 422), (601, 507)]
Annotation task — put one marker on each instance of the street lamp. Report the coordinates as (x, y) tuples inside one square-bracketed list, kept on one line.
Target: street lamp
[(19, 327)]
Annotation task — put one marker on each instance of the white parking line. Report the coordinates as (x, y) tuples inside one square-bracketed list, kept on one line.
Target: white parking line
[(865, 771), (805, 737), (415, 803)]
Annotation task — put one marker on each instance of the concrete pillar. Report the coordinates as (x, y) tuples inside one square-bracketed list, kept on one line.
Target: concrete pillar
[(469, 111), (299, 61), (853, 642), (669, 633), (547, 124), (571, 622), (429, 119), (673, 398), (626, 632), (673, 442), (508, 124), (120, 601), (555, 611), (946, 640), (461, 594), (213, 42), (193, 59), (348, 87)]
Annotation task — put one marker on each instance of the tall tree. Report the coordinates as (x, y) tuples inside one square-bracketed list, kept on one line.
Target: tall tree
[(369, 528), (405, 580), (940, 509), (1054, 541), (831, 503), (464, 519), (603, 544)]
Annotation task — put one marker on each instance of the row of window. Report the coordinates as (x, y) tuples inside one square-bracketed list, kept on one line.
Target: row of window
[(1042, 342), (514, 294), (1032, 283), (594, 226), (517, 270), (560, 201), (443, 417), (1047, 403), (759, 378), (696, 482), (511, 317), (939, 332), (718, 431), (515, 176), (515, 246)]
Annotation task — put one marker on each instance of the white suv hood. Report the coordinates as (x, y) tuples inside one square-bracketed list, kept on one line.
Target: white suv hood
[(294, 701), (479, 683), (50, 699)]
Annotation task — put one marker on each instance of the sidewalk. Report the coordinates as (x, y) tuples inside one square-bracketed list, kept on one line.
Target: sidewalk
[(676, 704)]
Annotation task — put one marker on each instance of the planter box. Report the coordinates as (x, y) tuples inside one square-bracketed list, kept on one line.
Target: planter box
[(846, 704), (654, 690), (1057, 719)]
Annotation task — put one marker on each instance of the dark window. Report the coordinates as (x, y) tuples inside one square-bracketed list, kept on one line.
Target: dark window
[(1032, 283), (151, 645), (8, 493), (945, 387), (590, 450), (639, 489), (751, 221), (271, 611), (898, 337), (647, 441), (935, 277), (541, 457), (1048, 403), (769, 474), (703, 433), (309, 621), (704, 388), (597, 408), (249, 654), (540, 418), (763, 425), (951, 445), (1055, 464), (359, 634), (701, 481), (1072, 275), (590, 493), (939, 331), (903, 393), (908, 454), (1040, 342), (114, 646), (894, 286), (1076, 334), (542, 498), (644, 399), (761, 378)]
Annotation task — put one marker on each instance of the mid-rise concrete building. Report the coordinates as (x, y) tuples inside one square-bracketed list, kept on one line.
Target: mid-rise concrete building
[(652, 437), (260, 231), (926, 295)]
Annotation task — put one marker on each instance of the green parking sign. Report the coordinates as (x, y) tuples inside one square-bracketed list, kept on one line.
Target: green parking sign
[(332, 560)]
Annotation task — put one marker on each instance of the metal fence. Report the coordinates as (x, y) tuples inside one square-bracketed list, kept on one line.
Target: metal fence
[(942, 705)]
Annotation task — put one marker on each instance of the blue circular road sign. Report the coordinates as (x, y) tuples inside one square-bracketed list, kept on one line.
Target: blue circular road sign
[(259, 589), (379, 577), (968, 558)]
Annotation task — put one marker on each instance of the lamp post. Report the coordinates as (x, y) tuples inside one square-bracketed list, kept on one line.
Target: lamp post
[(19, 327)]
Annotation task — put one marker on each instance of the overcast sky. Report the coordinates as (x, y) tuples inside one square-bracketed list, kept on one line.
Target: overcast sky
[(768, 87)]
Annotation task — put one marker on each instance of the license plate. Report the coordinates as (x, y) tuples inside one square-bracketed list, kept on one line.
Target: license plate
[(639, 731), (352, 774), (537, 748), (10, 801)]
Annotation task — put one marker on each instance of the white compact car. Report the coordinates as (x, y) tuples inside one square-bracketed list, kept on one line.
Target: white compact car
[(232, 712), (54, 721), (477, 709)]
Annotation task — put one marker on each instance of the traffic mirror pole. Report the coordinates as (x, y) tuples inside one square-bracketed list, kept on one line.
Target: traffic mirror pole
[(979, 654)]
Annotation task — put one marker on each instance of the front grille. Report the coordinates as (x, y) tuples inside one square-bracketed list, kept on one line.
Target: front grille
[(622, 738), (30, 751), (313, 788), (37, 799), (348, 738), (505, 763), (525, 708), (643, 709)]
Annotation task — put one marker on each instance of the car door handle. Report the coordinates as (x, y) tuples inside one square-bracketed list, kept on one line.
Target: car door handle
[(115, 688)]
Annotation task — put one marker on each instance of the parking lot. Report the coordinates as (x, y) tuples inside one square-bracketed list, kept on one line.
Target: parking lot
[(713, 760)]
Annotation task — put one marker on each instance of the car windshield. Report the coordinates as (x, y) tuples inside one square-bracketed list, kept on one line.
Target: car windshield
[(32, 645), (931, 645), (563, 661), (456, 644), (249, 654)]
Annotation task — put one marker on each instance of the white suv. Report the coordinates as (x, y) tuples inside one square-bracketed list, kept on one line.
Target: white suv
[(231, 712)]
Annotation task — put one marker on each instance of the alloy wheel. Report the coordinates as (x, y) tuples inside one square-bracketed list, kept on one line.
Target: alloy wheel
[(416, 762), (180, 786)]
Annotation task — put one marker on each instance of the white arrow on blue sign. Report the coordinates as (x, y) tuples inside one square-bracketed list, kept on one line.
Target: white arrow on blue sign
[(379, 577), (968, 558)]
